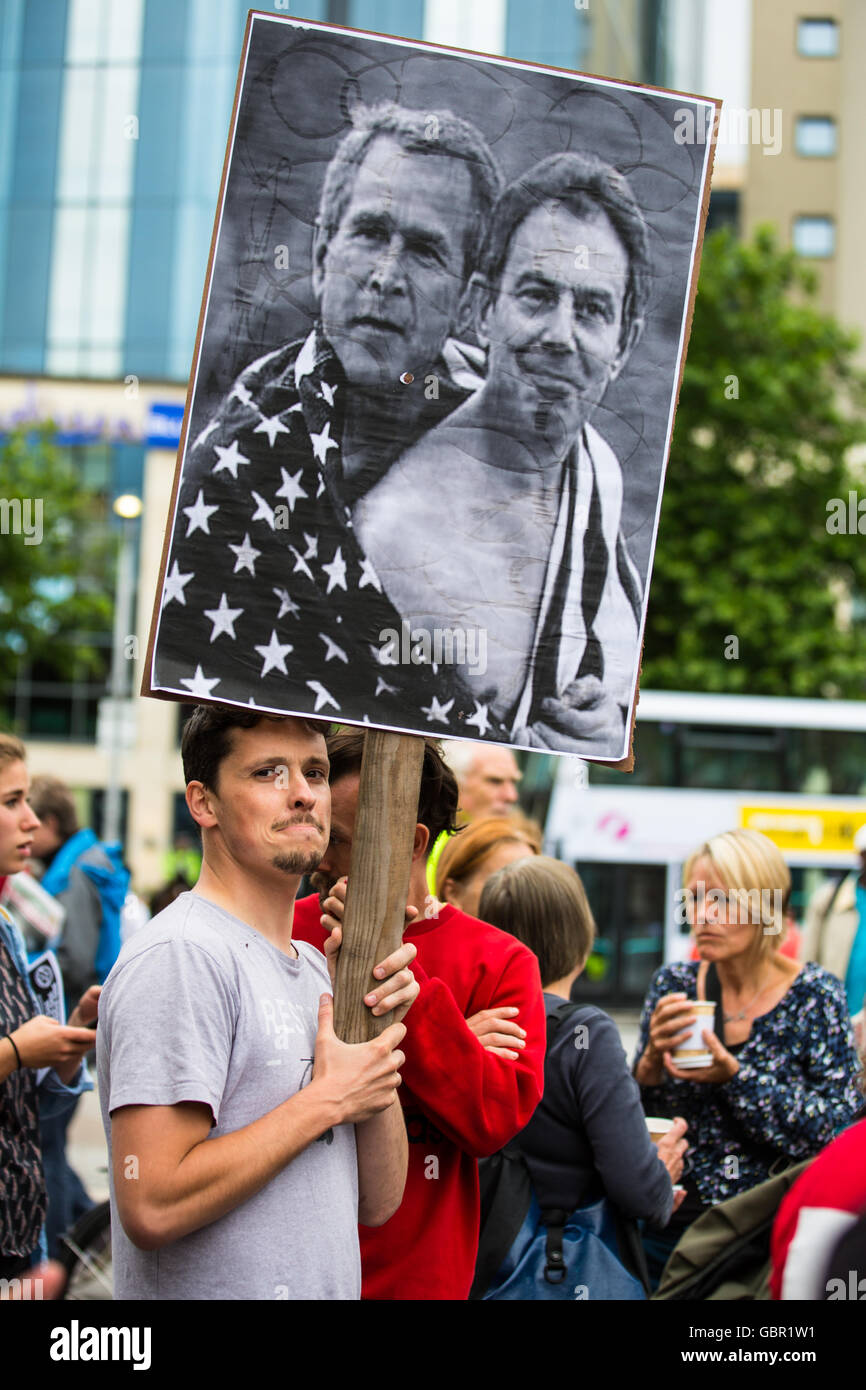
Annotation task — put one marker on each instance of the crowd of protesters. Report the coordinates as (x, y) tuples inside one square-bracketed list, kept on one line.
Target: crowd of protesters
[(493, 1141)]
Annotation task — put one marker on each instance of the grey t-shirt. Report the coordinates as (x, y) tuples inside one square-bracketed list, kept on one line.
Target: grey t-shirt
[(201, 1007)]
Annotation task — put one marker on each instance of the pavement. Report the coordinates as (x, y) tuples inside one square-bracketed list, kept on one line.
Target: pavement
[(85, 1146), (87, 1151)]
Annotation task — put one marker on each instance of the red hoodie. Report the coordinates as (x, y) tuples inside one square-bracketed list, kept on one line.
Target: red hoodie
[(460, 1101)]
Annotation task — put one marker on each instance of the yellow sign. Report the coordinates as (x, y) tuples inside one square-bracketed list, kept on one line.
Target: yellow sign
[(808, 828)]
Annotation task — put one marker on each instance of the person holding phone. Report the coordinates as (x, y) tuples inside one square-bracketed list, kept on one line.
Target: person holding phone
[(41, 1072)]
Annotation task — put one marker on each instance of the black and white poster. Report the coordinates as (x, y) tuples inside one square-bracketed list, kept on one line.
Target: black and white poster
[(433, 392)]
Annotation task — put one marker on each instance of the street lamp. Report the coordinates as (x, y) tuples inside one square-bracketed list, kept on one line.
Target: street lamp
[(128, 507)]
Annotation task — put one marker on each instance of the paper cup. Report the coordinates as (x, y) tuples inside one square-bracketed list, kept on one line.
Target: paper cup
[(658, 1127), (693, 1052)]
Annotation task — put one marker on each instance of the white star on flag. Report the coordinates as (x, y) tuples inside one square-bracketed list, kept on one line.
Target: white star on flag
[(323, 442), (199, 514), (478, 717), (437, 711), (321, 488), (369, 576), (263, 512), (383, 685), (230, 458), (312, 550), (328, 392), (286, 604), (336, 571), (246, 555), (272, 427), (301, 564), (223, 618), (274, 655), (174, 585), (291, 488), (322, 696), (199, 683), (332, 650)]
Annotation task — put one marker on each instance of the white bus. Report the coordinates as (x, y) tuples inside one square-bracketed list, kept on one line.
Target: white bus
[(794, 769)]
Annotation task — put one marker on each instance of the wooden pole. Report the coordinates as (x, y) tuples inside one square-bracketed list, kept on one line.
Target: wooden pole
[(379, 871)]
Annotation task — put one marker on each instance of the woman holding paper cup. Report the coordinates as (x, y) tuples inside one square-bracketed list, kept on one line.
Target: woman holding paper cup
[(769, 1072)]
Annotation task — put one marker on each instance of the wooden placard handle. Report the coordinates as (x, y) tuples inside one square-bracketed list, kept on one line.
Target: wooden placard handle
[(379, 871)]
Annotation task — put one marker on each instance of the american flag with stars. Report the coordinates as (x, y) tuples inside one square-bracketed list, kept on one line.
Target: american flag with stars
[(268, 598)]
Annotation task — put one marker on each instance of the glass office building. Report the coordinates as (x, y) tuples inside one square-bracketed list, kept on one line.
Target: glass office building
[(113, 122)]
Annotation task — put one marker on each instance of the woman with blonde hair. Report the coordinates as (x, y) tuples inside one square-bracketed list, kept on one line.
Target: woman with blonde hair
[(783, 1076)]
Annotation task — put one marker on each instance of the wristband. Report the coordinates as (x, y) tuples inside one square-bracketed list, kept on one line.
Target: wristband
[(9, 1038)]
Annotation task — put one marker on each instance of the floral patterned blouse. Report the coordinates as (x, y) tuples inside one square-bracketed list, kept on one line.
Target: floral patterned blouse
[(796, 1088)]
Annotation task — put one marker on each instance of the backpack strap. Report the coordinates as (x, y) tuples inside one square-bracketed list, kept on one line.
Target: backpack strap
[(554, 1267)]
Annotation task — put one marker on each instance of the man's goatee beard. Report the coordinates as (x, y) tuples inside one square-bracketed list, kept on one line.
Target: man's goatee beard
[(297, 863)]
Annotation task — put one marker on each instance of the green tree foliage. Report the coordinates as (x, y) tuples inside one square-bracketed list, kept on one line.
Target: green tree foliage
[(56, 587), (770, 428)]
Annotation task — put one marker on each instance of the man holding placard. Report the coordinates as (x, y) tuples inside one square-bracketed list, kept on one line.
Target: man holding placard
[(246, 1139)]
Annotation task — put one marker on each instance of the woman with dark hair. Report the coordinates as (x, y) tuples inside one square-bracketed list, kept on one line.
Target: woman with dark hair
[(29, 1042), (588, 1139)]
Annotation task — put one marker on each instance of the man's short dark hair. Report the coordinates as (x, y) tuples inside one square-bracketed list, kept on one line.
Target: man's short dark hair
[(438, 796), (207, 737), (584, 184), (418, 132), (51, 797)]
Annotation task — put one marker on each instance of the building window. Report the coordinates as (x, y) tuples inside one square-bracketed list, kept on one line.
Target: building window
[(815, 136), (818, 38), (814, 237), (96, 163)]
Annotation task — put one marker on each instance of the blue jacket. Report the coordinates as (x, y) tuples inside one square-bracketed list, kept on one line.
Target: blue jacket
[(90, 941)]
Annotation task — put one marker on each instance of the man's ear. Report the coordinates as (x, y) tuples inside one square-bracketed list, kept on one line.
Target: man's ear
[(320, 251), (422, 840), (199, 800), (634, 332), (477, 302)]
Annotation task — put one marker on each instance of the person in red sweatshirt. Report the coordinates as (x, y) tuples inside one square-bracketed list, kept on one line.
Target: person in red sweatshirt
[(467, 1087), (820, 1208)]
